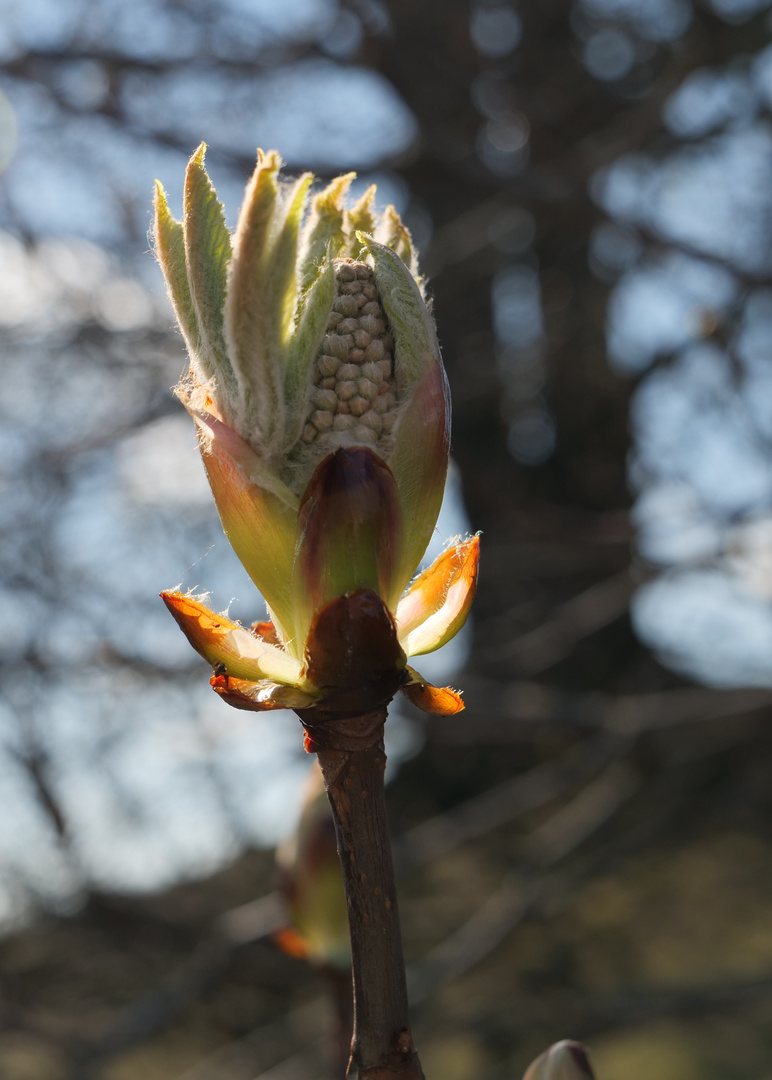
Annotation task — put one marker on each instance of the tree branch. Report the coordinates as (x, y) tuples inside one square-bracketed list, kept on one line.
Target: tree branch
[(382, 1046)]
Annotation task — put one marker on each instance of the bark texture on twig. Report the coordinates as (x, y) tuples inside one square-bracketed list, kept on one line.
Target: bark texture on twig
[(382, 1046)]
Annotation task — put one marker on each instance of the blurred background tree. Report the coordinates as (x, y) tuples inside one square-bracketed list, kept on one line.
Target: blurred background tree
[(586, 851)]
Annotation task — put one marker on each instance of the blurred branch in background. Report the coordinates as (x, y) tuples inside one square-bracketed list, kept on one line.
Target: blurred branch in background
[(585, 852)]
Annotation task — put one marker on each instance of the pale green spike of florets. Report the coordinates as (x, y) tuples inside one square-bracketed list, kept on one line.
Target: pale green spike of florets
[(353, 388)]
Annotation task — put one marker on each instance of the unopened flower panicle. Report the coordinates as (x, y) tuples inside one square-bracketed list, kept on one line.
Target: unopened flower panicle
[(323, 414)]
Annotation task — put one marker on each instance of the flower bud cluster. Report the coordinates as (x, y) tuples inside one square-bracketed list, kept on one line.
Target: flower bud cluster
[(317, 387), (354, 391)]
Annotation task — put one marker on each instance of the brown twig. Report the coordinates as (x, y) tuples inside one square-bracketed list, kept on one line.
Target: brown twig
[(338, 983), (382, 1046)]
